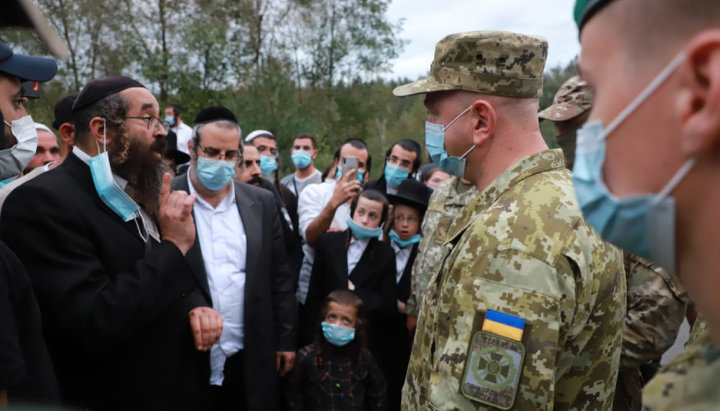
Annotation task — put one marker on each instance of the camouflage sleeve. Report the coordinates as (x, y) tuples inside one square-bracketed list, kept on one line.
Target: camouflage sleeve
[(655, 312)]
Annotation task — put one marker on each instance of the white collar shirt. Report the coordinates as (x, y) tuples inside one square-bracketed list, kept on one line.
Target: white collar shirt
[(402, 255), (355, 252), (224, 249)]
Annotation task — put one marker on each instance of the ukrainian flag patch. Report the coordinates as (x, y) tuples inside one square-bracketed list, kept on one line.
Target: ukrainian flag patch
[(494, 361)]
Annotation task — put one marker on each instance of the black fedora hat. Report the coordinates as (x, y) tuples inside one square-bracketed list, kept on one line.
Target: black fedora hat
[(412, 193)]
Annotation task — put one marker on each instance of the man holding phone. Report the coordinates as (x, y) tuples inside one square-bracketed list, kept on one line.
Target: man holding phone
[(325, 207)]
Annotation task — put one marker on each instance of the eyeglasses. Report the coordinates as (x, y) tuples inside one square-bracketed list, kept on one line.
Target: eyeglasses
[(213, 152), (410, 219), (153, 123)]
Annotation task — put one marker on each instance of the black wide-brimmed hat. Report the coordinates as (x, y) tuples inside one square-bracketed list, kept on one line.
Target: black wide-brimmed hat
[(412, 193)]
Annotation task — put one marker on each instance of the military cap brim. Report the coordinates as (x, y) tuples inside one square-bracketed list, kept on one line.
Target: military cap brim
[(423, 86)]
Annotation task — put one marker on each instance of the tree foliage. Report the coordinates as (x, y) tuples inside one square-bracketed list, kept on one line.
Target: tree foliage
[(287, 66)]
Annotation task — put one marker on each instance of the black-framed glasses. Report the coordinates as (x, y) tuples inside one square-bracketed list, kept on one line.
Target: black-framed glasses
[(213, 152), (153, 123)]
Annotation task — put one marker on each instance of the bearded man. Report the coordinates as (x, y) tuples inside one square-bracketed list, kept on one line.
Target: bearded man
[(103, 239)]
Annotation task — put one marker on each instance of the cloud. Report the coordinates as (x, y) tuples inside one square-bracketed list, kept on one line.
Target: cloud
[(426, 22)]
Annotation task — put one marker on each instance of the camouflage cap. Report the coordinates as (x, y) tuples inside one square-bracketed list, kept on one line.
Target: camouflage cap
[(489, 62), (573, 99)]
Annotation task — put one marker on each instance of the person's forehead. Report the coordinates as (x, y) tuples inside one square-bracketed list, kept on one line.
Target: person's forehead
[(250, 152), (368, 203), (398, 151), (405, 209), (220, 135), (303, 142), (348, 150), (45, 135), (10, 84), (141, 100), (348, 309), (264, 141)]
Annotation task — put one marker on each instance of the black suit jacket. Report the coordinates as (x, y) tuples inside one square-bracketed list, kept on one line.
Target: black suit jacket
[(374, 280), (403, 286), (270, 306), (115, 309)]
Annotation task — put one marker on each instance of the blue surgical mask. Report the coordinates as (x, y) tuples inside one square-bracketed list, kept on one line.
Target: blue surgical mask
[(267, 164), (404, 243), (214, 174), (363, 233), (435, 144), (643, 225), (301, 159), (395, 175), (338, 174), (109, 191), (337, 335), (170, 120)]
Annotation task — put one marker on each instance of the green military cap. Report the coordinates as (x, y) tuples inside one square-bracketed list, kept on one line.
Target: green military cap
[(585, 9), (489, 62), (572, 99)]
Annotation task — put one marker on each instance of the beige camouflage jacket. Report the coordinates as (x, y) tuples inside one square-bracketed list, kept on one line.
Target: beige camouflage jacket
[(688, 381), (445, 204), (522, 247)]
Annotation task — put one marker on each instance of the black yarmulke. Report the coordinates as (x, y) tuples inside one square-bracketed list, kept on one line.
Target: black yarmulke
[(215, 114), (102, 87), (63, 110)]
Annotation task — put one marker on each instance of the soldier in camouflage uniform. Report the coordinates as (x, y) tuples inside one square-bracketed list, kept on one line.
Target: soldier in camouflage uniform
[(653, 148), (570, 108), (656, 300), (527, 309), (446, 202)]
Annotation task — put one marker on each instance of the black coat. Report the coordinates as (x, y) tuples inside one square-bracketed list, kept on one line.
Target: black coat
[(115, 309), (374, 280), (270, 306)]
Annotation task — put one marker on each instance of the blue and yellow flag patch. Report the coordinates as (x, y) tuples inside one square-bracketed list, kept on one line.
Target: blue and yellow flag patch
[(505, 325)]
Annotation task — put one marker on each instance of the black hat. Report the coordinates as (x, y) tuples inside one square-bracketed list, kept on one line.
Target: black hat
[(63, 111), (31, 89), (26, 67), (215, 114), (412, 193), (99, 88), (171, 150)]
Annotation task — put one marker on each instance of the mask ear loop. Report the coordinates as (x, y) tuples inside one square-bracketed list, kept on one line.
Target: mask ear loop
[(104, 139), (139, 216), (654, 84)]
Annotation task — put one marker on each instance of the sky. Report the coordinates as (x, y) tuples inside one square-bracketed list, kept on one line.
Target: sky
[(426, 22)]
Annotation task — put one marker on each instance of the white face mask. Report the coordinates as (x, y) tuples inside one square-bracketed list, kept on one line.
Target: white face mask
[(14, 159)]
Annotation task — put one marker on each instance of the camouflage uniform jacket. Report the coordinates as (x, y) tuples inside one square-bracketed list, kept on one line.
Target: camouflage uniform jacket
[(445, 204), (656, 308), (688, 381), (522, 247)]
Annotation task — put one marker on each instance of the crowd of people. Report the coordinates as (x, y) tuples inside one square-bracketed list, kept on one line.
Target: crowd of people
[(150, 264)]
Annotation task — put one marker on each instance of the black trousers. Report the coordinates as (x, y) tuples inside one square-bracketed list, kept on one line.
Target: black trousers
[(231, 395)]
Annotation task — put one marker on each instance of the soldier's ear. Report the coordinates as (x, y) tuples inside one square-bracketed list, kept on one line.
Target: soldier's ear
[(483, 120), (698, 99)]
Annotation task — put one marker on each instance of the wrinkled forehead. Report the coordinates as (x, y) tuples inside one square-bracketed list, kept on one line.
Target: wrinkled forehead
[(141, 101)]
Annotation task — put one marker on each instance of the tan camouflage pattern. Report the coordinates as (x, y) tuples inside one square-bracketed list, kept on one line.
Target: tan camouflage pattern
[(489, 62), (656, 309), (572, 99), (522, 247), (687, 382), (446, 202)]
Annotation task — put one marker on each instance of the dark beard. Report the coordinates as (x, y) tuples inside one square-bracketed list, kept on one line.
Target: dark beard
[(256, 181), (142, 169)]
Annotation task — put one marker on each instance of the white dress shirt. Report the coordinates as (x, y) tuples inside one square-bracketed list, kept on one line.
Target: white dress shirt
[(224, 248), (184, 134), (402, 255), (355, 252), (310, 204)]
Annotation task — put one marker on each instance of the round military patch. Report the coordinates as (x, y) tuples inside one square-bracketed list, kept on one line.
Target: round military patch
[(492, 370)]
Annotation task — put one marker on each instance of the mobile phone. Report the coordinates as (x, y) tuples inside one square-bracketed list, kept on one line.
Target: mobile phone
[(349, 164)]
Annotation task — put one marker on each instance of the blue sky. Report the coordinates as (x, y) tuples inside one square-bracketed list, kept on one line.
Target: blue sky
[(426, 22)]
